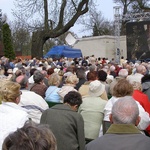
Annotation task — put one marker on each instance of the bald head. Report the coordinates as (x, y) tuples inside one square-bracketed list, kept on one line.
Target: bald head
[(125, 111), (140, 69), (22, 80)]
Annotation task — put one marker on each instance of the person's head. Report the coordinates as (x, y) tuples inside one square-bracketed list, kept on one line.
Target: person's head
[(125, 111), (92, 68), (80, 72), (38, 77), (148, 67), (32, 71), (50, 71), (123, 73), (54, 80), (112, 68), (44, 72), (122, 88), (145, 78), (137, 86), (70, 69), (30, 137), (18, 73), (74, 99), (140, 69), (96, 88), (10, 92), (23, 81), (102, 75), (91, 75), (23, 70), (72, 79)]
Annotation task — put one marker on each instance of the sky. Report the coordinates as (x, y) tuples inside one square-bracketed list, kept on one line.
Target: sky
[(105, 6)]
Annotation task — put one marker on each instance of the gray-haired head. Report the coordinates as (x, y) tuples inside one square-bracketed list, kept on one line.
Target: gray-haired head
[(123, 73), (125, 111), (92, 68), (38, 76)]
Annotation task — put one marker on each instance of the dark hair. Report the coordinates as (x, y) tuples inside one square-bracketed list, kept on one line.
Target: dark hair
[(38, 76), (145, 78), (23, 70), (80, 72), (18, 73), (102, 75), (50, 71), (32, 71), (91, 75), (73, 98), (41, 65), (30, 137)]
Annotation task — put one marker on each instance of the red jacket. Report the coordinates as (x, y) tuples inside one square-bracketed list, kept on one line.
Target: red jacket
[(144, 101)]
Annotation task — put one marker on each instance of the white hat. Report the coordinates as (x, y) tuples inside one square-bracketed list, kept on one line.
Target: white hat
[(56, 70), (96, 88), (15, 69), (10, 71)]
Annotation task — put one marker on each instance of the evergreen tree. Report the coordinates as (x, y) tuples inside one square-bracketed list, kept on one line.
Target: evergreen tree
[(7, 42)]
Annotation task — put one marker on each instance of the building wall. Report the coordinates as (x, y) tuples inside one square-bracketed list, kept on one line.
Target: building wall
[(101, 46)]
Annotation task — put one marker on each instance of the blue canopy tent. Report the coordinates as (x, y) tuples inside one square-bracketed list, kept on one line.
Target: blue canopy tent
[(63, 51)]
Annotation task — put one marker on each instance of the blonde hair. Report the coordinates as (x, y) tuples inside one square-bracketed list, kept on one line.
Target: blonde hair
[(10, 91), (72, 79), (54, 79), (137, 86)]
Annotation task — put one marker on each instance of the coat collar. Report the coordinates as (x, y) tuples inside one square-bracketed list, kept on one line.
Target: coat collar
[(123, 129), (62, 107)]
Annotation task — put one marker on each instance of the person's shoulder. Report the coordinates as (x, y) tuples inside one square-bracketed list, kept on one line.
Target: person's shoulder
[(95, 144), (146, 139), (31, 97), (31, 94)]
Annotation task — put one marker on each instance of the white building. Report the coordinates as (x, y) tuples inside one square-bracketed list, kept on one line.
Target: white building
[(101, 46)]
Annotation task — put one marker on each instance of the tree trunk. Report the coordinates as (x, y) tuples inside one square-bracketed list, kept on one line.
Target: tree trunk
[(40, 36), (38, 40)]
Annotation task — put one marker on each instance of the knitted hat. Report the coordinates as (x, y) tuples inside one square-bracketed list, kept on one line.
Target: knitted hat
[(96, 88)]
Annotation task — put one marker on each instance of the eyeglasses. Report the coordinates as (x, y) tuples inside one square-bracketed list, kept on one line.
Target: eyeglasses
[(20, 93)]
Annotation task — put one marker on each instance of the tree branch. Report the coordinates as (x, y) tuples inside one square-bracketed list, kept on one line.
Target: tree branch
[(46, 15), (81, 9), (61, 14)]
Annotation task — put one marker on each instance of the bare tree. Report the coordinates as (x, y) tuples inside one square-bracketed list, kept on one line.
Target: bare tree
[(55, 17), (95, 23), (126, 6), (141, 6), (21, 37)]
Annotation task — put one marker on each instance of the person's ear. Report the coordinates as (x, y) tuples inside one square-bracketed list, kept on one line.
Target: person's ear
[(75, 107), (110, 118), (17, 100), (137, 120)]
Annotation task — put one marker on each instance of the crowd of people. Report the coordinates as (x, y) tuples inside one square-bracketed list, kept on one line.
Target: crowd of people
[(63, 104)]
